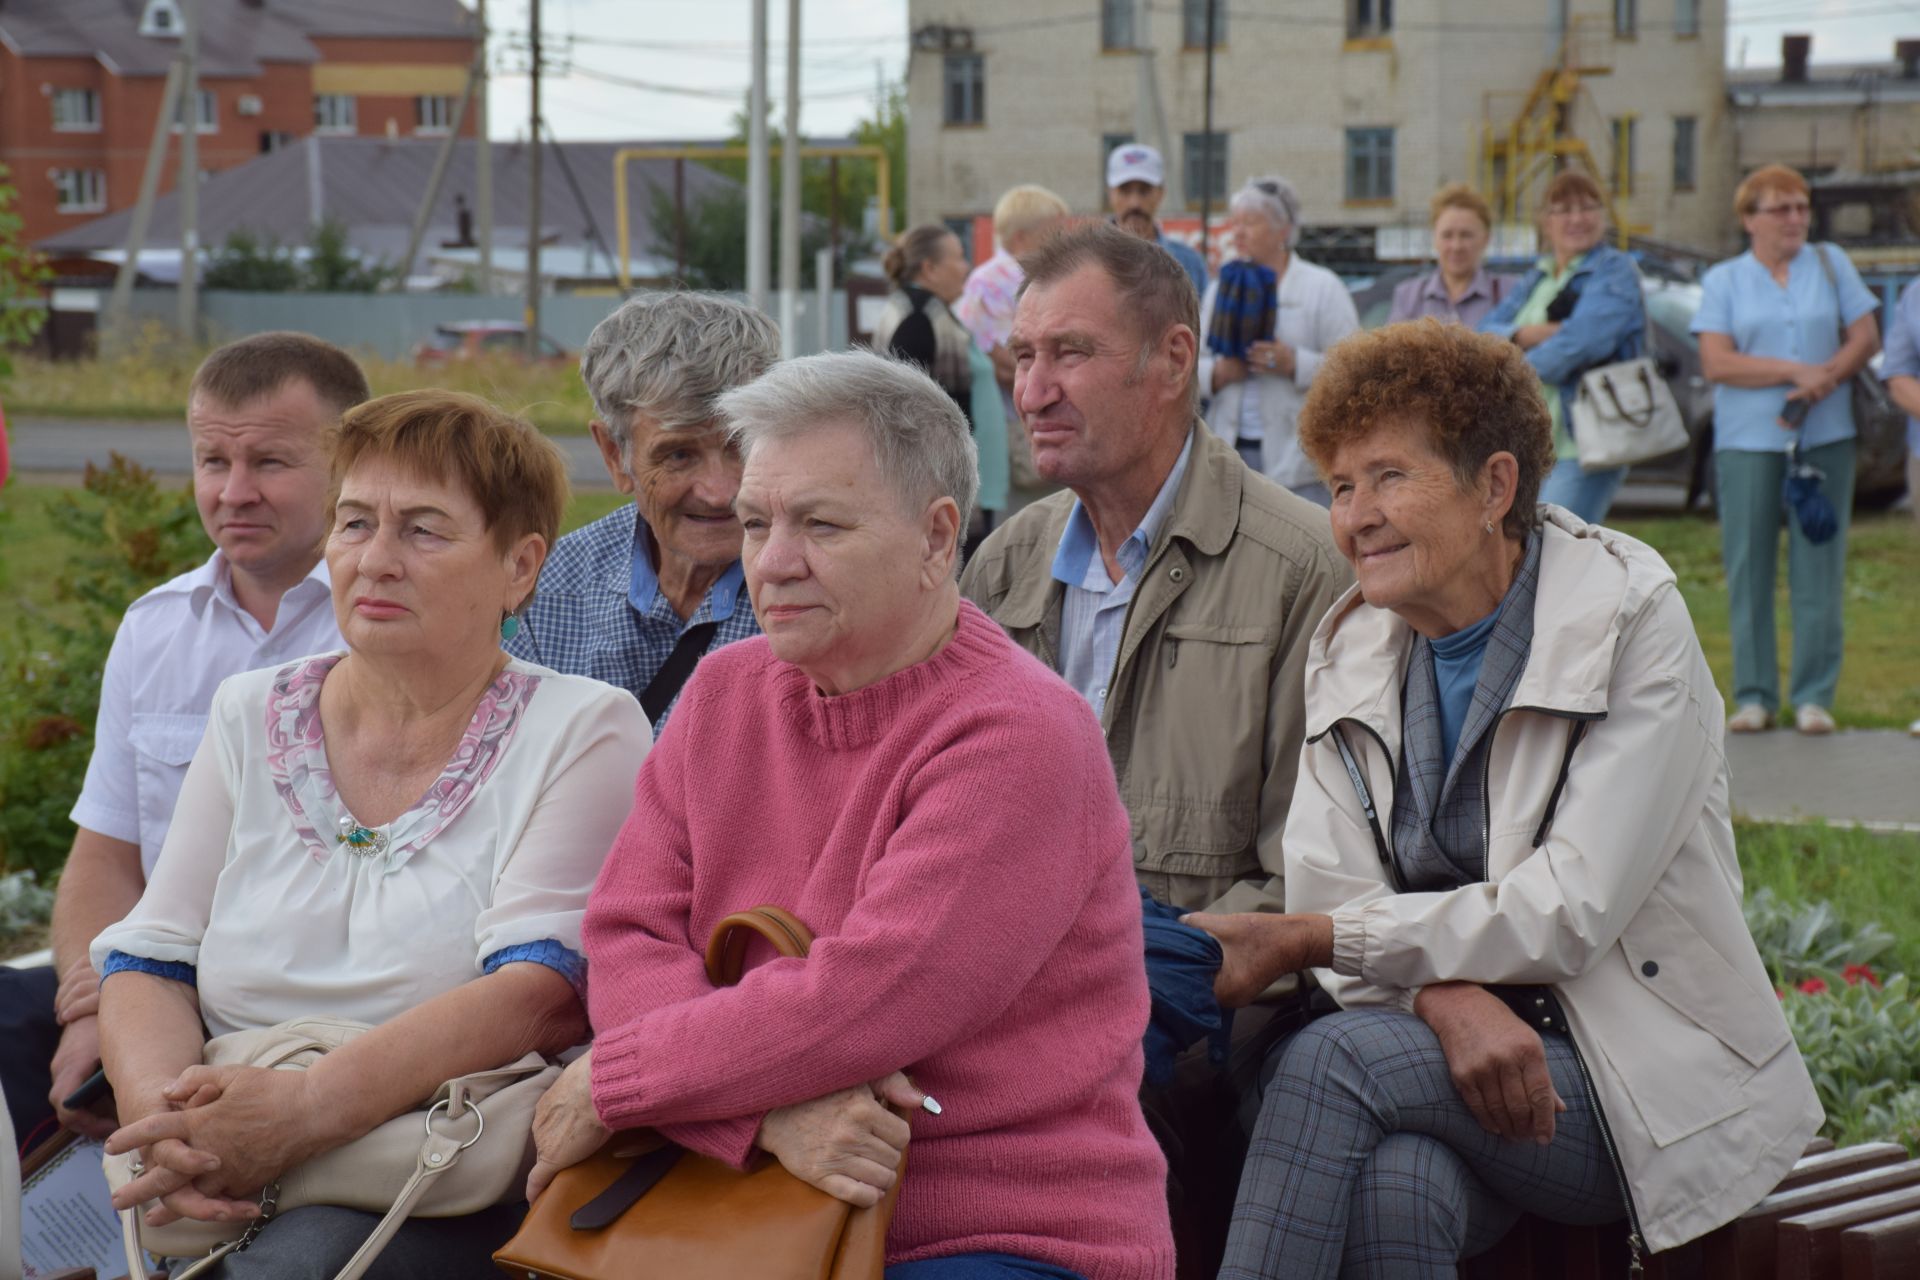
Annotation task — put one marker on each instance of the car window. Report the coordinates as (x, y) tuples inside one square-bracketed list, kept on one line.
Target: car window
[(444, 339), (502, 340)]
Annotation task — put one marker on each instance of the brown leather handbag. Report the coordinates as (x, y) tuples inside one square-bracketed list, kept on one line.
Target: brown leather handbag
[(643, 1202)]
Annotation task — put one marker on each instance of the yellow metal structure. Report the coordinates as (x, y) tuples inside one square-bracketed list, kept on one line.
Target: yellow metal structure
[(1520, 155), (883, 175)]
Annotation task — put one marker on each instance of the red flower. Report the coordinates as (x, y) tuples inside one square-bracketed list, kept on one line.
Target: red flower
[(1855, 974), (1780, 993), (1812, 986)]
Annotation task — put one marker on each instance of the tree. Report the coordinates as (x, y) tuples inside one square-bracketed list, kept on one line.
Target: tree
[(716, 239), (21, 275), (262, 265), (333, 267), (248, 264)]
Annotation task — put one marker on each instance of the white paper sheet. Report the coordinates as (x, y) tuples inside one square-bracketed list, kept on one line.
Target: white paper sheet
[(67, 1217)]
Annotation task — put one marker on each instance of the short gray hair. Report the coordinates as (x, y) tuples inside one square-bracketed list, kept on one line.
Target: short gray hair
[(670, 355), (1275, 197), (919, 436)]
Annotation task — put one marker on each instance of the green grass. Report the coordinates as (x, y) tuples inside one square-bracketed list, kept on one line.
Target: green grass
[(1880, 681), (1866, 876)]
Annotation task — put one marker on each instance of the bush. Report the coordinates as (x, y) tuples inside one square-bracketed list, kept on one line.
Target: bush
[(129, 535), (1798, 940), (1861, 1042)]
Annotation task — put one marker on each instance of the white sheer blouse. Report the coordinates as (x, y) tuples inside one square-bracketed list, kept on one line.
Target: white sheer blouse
[(275, 903)]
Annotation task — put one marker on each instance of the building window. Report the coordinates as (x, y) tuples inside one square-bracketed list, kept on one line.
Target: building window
[(432, 113), (1193, 23), (1116, 24), (1683, 153), (80, 190), (1626, 17), (966, 84), (1624, 144), (1206, 174), (208, 115), (1369, 18), (1686, 17), (1369, 164), (333, 113), (76, 111)]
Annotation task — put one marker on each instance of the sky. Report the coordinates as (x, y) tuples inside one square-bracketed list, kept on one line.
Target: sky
[(633, 69)]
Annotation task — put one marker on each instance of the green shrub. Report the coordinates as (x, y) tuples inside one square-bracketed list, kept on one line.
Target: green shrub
[(1861, 1042), (128, 535), (1802, 939)]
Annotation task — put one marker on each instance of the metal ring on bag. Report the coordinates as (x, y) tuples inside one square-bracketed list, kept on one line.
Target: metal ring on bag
[(479, 1117)]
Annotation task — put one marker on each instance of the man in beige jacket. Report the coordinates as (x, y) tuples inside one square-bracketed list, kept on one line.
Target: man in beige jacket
[(1176, 590)]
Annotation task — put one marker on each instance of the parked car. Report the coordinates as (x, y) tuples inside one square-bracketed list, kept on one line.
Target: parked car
[(1880, 476), (468, 339)]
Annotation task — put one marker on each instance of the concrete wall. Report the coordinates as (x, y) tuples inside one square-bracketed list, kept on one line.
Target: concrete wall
[(391, 325), (1288, 83)]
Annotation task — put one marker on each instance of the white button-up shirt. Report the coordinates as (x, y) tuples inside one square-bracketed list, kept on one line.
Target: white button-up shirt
[(174, 647)]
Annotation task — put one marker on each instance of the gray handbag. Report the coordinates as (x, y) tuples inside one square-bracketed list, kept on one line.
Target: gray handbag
[(1625, 413)]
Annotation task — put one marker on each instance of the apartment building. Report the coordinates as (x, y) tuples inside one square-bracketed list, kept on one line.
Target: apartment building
[(1366, 105), (81, 83)]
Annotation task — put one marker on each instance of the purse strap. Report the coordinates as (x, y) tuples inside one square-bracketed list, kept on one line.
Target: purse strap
[(1833, 283), (727, 948)]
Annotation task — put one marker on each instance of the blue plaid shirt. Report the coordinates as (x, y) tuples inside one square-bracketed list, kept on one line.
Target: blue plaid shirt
[(599, 610)]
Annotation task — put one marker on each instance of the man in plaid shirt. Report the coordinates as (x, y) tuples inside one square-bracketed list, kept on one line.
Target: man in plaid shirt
[(637, 596)]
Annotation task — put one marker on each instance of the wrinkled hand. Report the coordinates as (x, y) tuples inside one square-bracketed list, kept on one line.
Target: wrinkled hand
[(76, 1059), (1256, 948), (1227, 370), (255, 1123), (78, 995), (1529, 336), (1274, 358), (848, 1144), (566, 1128), (1497, 1062)]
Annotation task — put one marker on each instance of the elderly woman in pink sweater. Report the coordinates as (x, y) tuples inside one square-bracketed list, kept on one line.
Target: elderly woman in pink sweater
[(938, 807)]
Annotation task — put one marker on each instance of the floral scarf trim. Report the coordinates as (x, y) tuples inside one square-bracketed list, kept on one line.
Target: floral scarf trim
[(297, 759)]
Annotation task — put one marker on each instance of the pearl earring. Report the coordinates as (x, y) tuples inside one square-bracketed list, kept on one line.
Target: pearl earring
[(1489, 526)]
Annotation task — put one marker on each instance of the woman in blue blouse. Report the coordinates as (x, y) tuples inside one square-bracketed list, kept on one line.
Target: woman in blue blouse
[(1770, 325), (1578, 308)]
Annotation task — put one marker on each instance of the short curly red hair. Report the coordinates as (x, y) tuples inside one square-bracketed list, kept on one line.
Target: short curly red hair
[(1475, 394)]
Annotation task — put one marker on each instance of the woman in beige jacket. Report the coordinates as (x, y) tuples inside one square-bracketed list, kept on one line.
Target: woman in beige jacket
[(1510, 862)]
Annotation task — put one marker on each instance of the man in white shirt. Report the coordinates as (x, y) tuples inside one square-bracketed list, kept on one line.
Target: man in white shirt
[(258, 412)]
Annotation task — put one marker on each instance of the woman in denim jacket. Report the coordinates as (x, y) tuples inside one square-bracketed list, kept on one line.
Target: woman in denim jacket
[(1579, 307)]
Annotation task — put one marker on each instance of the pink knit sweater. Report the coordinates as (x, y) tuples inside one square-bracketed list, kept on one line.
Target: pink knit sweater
[(954, 838)]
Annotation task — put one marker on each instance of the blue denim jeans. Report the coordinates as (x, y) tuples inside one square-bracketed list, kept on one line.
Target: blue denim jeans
[(1588, 494)]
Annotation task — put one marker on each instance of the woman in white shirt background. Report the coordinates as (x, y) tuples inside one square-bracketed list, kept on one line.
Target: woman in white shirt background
[(403, 835), (1260, 356)]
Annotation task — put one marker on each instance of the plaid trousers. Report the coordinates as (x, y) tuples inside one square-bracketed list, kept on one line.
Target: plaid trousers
[(1366, 1163)]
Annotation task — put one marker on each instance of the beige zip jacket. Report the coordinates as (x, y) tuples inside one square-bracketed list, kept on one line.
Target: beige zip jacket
[(1204, 719), (1611, 873)]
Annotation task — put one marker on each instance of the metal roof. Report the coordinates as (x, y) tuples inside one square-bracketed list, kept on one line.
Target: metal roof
[(373, 186)]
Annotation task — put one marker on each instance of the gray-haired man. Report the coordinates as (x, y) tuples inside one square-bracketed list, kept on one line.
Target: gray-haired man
[(637, 597)]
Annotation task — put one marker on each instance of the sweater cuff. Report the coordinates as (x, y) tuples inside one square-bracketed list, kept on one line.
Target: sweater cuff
[(619, 1061), (728, 1141)]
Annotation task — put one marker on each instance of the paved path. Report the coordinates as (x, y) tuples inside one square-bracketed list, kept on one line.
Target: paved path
[(65, 446), (1868, 777)]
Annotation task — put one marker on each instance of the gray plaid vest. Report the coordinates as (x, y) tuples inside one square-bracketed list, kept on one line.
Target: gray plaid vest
[(1439, 806)]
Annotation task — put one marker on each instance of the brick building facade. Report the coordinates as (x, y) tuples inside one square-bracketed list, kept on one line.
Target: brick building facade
[(81, 82)]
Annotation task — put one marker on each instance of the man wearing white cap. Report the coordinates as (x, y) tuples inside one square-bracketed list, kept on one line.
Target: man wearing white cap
[(1136, 184)]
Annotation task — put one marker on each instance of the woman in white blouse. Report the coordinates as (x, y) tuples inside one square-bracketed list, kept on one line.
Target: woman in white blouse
[(1267, 320), (404, 835)]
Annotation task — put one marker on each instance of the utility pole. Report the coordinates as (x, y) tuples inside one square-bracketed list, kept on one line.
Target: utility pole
[(483, 155), (533, 196), (189, 176), (758, 206), (1206, 138), (1149, 120), (790, 193), (122, 300)]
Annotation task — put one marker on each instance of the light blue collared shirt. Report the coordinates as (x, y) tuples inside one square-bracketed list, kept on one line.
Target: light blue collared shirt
[(1903, 352), (1093, 615), (648, 600), (1801, 321)]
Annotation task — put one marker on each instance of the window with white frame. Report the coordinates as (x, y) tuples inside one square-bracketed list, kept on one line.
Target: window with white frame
[(1369, 19), (334, 113), (1193, 23), (76, 111), (162, 18), (1369, 164), (1626, 17), (965, 99), (207, 117), (1686, 17), (1116, 24), (432, 113), (1204, 165), (80, 190), (1685, 156)]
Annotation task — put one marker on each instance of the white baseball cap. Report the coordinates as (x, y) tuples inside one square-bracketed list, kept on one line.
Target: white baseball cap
[(1135, 162)]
